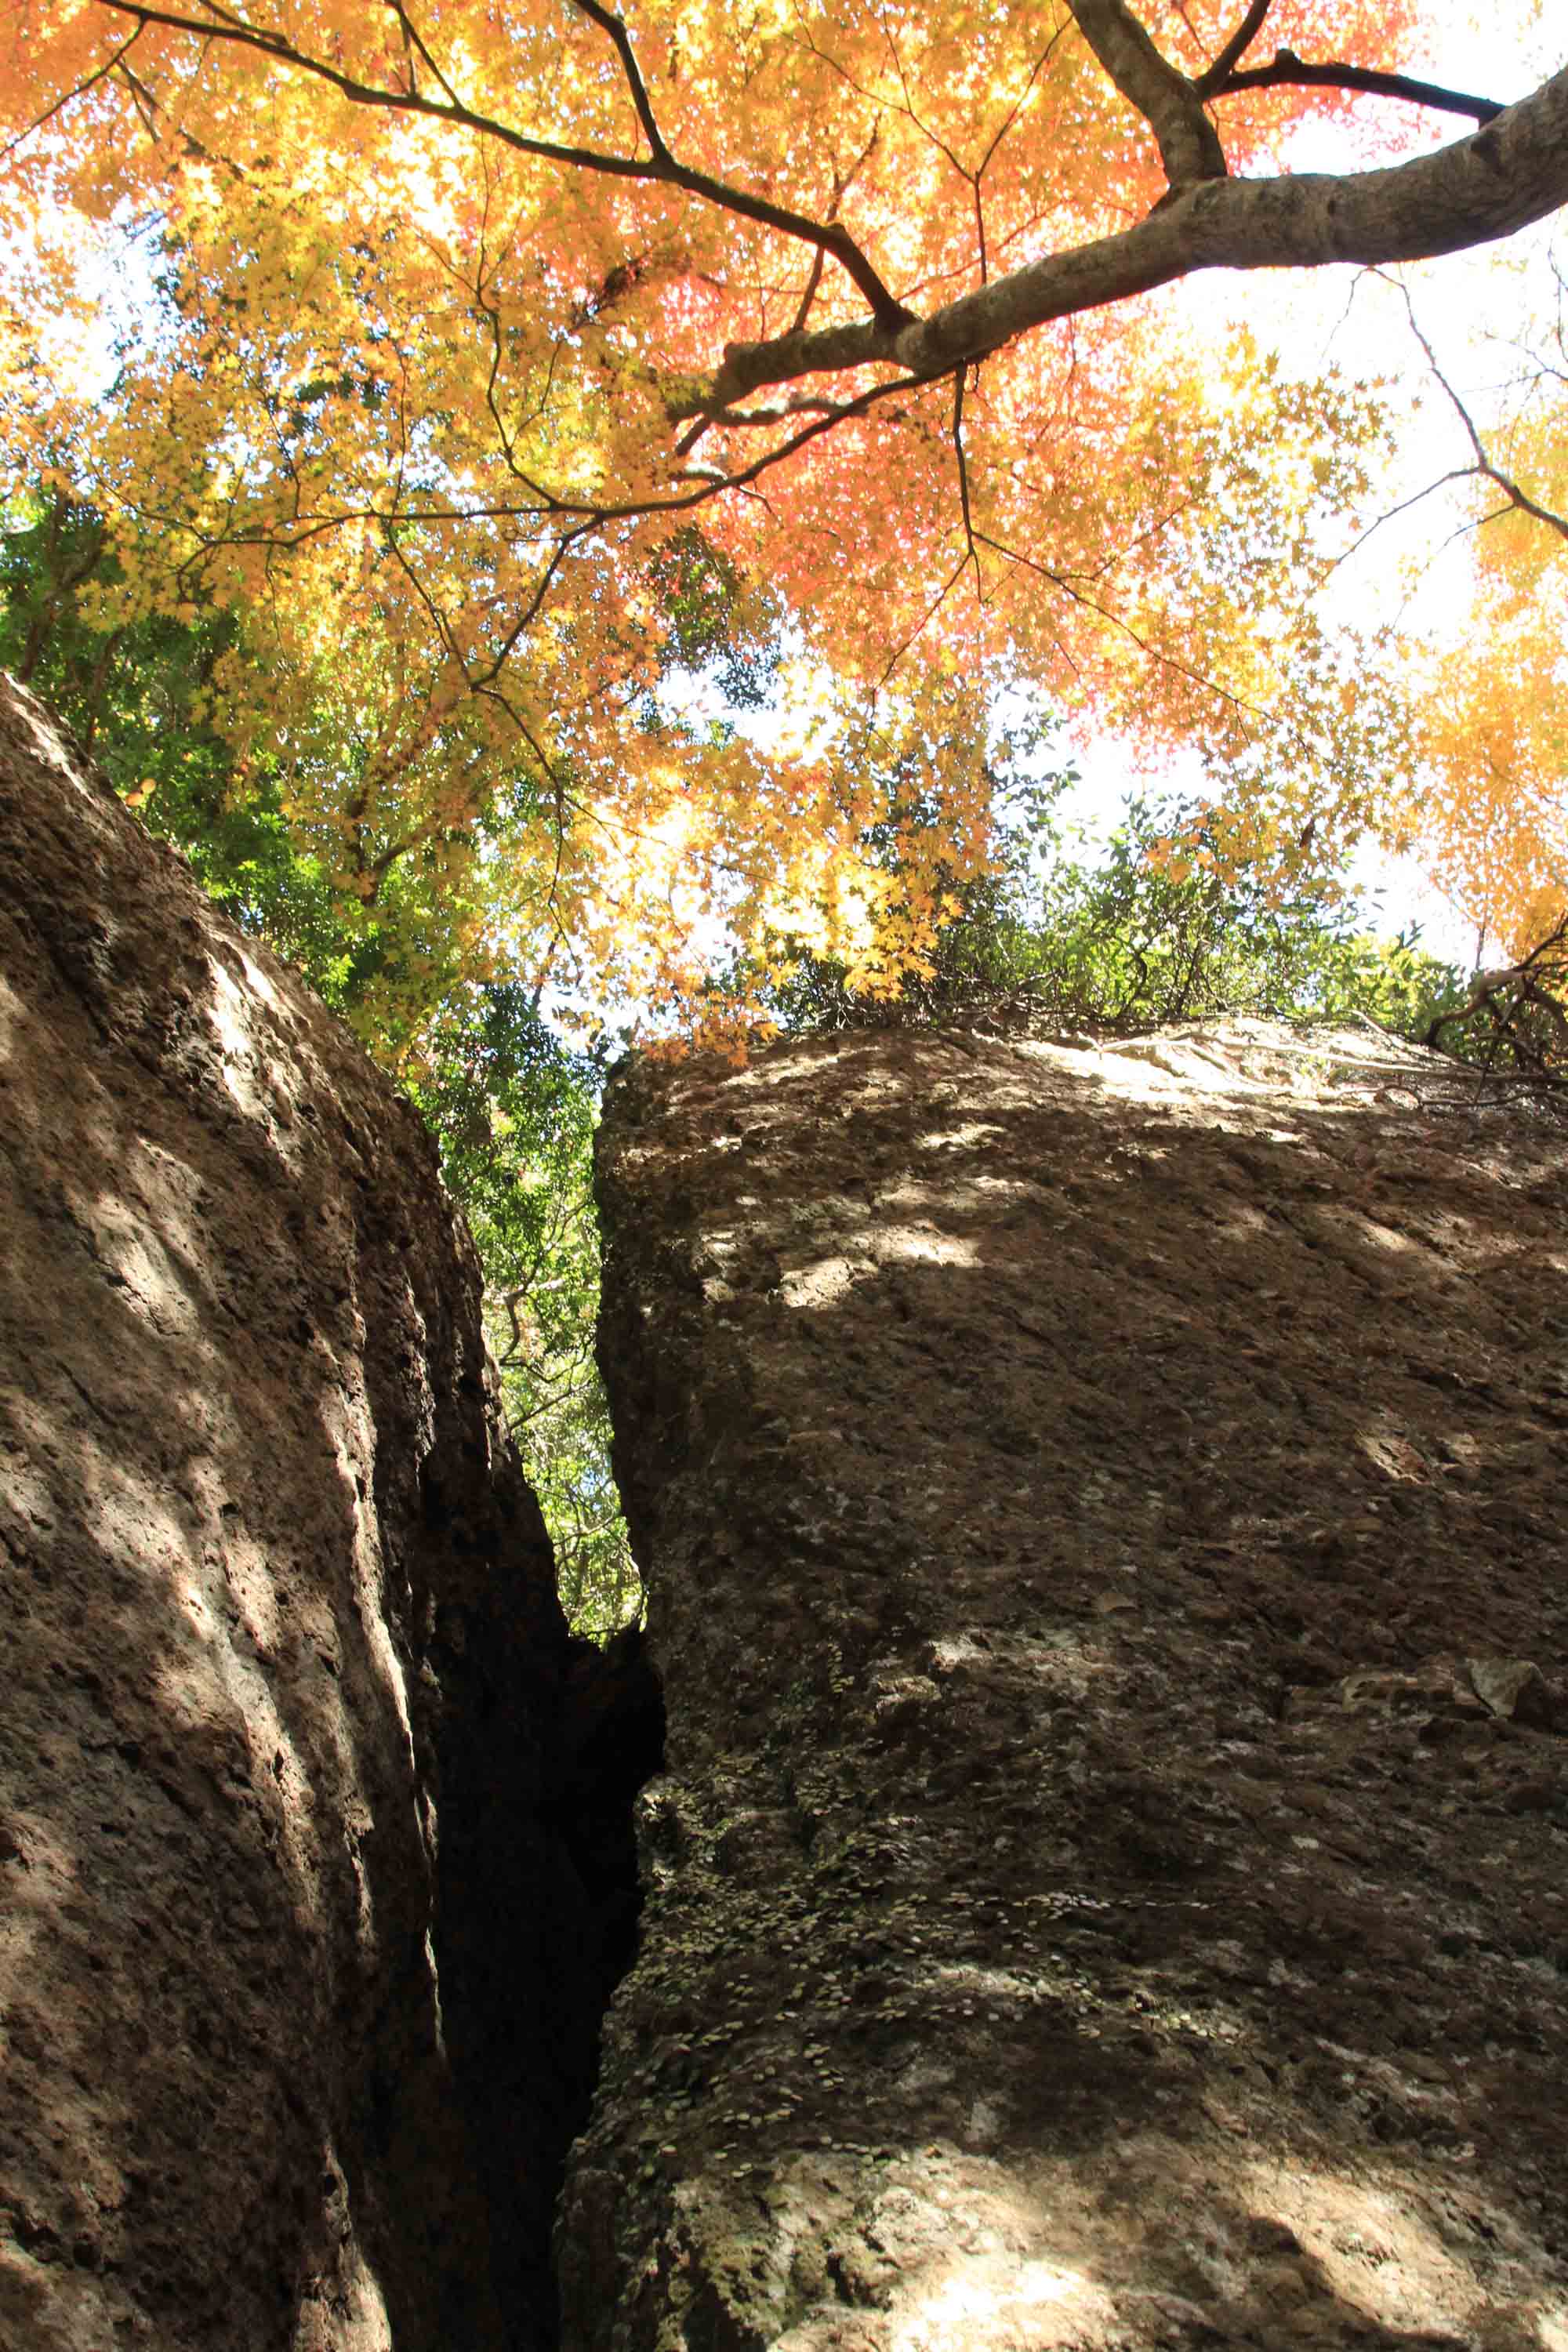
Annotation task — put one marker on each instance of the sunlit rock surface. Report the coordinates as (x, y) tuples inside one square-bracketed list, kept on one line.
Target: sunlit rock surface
[(293, 1952), (1105, 1516)]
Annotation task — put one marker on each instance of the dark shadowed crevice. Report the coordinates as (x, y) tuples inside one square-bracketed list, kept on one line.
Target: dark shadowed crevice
[(539, 1903), (611, 1741), (610, 1729)]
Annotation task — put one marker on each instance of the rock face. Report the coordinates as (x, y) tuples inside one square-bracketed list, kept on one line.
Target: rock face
[(306, 1848), (1104, 1515)]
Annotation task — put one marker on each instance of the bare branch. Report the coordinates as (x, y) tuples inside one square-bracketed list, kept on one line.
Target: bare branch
[(414, 46), (1507, 997), (608, 22), (1289, 70), (1485, 465), (963, 481), (78, 90), (1403, 507), (925, 620)]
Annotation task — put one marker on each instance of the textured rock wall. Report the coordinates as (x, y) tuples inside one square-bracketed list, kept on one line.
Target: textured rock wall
[(1104, 1515), (297, 1966)]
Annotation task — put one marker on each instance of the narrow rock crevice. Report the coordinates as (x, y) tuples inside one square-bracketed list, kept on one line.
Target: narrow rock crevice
[(538, 1904), (610, 1742), (541, 1901)]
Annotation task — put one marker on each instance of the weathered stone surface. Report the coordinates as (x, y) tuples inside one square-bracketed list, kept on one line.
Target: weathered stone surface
[(1104, 1515), (296, 1963)]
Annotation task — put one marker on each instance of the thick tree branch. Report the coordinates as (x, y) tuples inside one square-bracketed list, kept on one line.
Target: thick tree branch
[(1500, 179), (1289, 70), (1511, 172), (1188, 142)]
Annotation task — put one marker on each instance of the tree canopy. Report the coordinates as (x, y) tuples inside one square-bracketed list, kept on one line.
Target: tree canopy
[(502, 363)]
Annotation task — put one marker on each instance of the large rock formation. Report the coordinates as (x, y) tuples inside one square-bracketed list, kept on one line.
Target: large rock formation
[(1104, 1514), (307, 1807)]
